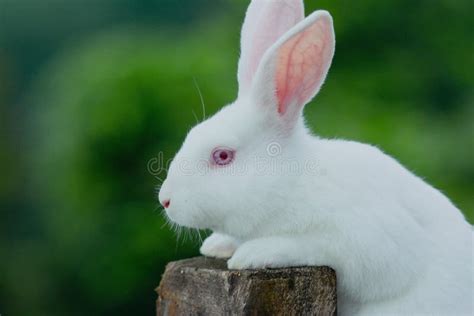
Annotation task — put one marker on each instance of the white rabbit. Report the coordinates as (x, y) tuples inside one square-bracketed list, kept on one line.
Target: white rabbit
[(277, 196)]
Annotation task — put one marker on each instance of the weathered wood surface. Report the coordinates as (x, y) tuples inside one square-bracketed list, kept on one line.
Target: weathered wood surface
[(204, 286)]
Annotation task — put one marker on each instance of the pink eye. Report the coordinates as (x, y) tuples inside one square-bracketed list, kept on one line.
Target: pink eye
[(222, 156)]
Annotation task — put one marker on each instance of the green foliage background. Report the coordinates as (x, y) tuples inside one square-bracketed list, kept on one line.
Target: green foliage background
[(91, 91)]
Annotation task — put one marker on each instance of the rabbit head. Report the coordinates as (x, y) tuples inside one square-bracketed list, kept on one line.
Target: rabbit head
[(229, 174)]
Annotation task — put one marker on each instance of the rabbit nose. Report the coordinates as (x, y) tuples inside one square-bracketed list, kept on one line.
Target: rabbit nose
[(166, 203)]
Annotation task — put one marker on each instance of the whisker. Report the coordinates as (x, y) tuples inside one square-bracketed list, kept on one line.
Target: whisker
[(195, 117), (178, 231), (202, 99), (167, 221), (183, 234), (199, 235)]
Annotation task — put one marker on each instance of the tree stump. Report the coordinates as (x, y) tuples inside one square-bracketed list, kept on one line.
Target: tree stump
[(204, 286)]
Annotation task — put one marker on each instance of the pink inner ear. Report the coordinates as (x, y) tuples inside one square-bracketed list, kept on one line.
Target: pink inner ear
[(301, 65)]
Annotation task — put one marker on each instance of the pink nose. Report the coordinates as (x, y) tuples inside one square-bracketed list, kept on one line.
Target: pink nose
[(166, 203)]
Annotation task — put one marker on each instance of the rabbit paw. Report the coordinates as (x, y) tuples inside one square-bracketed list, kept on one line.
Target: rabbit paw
[(219, 246), (256, 254)]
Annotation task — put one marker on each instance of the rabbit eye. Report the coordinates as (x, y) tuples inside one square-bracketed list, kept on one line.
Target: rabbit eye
[(222, 156)]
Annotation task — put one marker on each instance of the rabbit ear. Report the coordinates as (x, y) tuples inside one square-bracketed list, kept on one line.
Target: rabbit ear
[(293, 69), (265, 22)]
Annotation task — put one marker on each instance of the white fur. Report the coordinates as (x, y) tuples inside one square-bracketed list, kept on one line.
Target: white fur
[(399, 246), (219, 246)]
